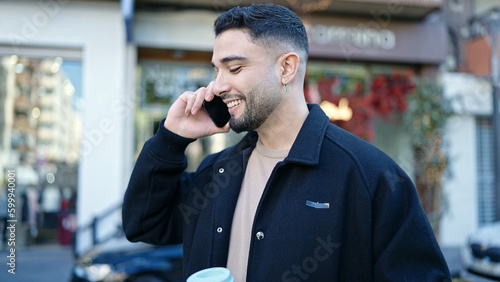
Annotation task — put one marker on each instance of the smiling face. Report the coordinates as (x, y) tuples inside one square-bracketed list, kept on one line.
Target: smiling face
[(247, 79)]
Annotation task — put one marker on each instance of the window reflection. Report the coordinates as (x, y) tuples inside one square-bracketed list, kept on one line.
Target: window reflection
[(40, 130)]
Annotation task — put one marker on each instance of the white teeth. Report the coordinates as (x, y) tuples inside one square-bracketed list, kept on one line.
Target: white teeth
[(233, 103)]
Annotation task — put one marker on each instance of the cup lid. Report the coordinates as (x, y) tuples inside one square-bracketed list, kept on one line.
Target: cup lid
[(214, 274)]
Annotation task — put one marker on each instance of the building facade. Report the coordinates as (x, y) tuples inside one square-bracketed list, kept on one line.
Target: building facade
[(63, 29), (472, 188)]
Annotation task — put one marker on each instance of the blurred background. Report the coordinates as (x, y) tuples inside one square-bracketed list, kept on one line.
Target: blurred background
[(83, 84)]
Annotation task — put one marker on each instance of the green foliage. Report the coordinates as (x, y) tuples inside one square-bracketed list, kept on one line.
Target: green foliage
[(428, 112), (425, 120)]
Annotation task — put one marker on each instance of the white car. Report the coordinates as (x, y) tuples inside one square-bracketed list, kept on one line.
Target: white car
[(481, 255)]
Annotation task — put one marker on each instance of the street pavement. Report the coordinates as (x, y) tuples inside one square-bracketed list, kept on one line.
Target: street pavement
[(45, 263), (53, 263)]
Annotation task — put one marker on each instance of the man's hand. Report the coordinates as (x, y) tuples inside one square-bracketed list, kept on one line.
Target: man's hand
[(187, 118)]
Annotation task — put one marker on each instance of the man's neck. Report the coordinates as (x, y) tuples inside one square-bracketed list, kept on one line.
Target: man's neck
[(282, 127)]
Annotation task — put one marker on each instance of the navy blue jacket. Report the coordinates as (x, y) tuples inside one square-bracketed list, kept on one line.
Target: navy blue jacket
[(336, 209)]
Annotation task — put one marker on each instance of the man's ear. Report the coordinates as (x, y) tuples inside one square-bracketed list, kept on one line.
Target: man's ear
[(289, 66)]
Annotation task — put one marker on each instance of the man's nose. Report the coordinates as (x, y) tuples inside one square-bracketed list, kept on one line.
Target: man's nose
[(221, 85)]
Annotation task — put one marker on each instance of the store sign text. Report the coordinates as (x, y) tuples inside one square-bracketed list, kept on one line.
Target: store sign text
[(360, 37)]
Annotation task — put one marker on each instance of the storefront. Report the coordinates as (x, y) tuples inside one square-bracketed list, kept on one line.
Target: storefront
[(347, 55), (363, 68)]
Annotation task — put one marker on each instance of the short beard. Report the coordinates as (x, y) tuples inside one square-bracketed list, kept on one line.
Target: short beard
[(260, 102)]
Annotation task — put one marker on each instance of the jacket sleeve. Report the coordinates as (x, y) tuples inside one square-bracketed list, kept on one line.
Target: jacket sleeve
[(157, 185), (404, 245)]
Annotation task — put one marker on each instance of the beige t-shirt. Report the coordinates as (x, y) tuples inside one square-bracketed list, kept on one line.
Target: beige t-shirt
[(260, 166)]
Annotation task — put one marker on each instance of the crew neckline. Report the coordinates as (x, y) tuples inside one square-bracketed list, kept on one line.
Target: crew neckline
[(271, 153)]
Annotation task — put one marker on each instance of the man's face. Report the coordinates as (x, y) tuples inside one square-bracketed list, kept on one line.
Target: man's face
[(247, 79)]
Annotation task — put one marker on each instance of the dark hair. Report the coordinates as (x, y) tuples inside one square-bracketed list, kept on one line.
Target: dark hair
[(267, 25)]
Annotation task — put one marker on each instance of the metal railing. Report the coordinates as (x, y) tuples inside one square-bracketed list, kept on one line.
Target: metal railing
[(100, 230)]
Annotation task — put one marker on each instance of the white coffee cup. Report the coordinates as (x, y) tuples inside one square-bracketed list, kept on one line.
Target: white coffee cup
[(213, 274)]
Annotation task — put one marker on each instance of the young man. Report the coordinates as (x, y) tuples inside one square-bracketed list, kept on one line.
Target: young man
[(298, 198)]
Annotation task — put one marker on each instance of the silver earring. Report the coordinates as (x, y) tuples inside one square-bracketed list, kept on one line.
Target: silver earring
[(286, 90)]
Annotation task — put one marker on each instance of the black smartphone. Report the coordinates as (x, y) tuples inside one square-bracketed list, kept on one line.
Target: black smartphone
[(217, 111)]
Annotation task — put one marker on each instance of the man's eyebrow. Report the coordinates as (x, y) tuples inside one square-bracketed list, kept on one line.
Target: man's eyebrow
[(230, 59)]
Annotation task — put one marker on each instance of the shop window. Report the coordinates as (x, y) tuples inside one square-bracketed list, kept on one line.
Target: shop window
[(354, 95), (162, 83), (485, 171), (39, 139)]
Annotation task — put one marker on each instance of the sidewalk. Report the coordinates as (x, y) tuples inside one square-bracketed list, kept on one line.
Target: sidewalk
[(44, 263)]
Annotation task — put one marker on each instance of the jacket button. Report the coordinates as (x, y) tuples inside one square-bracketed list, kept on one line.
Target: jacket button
[(221, 170), (260, 235), (219, 229)]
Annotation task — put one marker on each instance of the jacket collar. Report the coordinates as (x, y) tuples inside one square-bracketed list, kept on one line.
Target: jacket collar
[(307, 146)]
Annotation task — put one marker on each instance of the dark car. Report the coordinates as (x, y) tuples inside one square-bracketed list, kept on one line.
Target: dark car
[(121, 260)]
